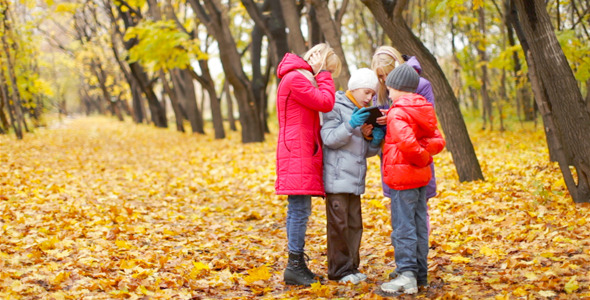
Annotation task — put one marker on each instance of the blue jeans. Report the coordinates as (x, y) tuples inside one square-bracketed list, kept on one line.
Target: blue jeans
[(410, 231), (298, 212)]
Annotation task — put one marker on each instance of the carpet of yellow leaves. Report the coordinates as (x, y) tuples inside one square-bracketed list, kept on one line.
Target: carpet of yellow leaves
[(99, 209)]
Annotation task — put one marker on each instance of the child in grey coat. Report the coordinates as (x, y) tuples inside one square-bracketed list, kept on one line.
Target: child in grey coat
[(345, 165)]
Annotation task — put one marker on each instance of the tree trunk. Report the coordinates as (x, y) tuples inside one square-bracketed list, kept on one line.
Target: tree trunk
[(332, 36), (208, 84), (278, 31), (138, 112), (314, 31), (523, 98), (272, 26), (292, 20), (230, 107), (185, 91), (487, 112), (157, 111), (500, 101), (565, 105), (16, 126), (216, 21), (4, 125), (258, 83), (137, 103), (456, 81), (16, 97), (447, 107), (174, 101)]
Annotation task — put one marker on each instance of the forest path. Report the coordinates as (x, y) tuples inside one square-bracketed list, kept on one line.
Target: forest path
[(101, 209)]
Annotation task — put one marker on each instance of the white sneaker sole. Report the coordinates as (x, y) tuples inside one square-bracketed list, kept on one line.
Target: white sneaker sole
[(401, 290)]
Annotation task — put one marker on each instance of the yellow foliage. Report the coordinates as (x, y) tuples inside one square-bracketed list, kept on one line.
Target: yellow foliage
[(319, 290), (99, 209), (260, 273), (572, 285), (460, 259), (61, 277), (67, 7)]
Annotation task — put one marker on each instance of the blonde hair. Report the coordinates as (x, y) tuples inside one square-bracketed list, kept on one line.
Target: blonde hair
[(330, 61), (385, 59)]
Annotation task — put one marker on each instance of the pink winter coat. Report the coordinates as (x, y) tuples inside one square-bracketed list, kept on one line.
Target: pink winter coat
[(299, 147)]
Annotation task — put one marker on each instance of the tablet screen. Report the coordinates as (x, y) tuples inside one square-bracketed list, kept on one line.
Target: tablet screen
[(375, 113)]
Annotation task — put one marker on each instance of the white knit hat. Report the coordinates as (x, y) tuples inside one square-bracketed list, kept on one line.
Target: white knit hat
[(363, 78)]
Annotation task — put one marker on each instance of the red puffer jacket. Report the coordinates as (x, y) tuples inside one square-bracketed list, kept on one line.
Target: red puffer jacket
[(299, 147), (411, 140)]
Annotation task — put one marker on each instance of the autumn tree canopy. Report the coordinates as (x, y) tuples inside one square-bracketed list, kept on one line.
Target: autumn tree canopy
[(162, 62)]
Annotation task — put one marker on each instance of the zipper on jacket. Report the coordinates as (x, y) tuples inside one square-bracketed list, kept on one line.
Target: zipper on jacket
[(285, 122)]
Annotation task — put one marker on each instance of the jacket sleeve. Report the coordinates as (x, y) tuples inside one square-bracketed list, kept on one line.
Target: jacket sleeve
[(405, 140), (321, 98), (425, 89), (336, 132), (435, 144), (373, 150)]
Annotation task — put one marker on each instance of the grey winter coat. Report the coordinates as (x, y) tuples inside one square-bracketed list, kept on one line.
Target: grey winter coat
[(345, 150)]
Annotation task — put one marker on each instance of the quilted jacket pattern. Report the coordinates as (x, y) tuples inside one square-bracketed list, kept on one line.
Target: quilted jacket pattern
[(299, 149)]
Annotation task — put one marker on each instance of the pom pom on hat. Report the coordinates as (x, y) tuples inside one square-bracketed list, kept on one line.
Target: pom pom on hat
[(403, 78), (363, 78)]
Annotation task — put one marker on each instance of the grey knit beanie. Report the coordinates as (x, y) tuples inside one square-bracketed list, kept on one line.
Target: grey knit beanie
[(403, 78)]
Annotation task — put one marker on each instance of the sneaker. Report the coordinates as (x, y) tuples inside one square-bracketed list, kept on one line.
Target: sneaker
[(350, 278), (405, 282), (421, 283), (361, 276)]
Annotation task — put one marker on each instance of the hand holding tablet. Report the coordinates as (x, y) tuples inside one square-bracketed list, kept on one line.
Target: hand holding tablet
[(375, 113)]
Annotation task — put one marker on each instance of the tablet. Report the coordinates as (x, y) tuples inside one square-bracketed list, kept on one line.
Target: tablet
[(375, 113)]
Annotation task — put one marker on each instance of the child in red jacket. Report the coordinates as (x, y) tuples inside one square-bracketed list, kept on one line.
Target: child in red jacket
[(411, 140)]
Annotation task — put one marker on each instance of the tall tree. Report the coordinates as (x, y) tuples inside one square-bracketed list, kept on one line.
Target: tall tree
[(565, 103), (9, 80), (131, 17), (269, 22), (448, 112), (182, 80), (156, 14), (214, 16), (487, 113), (524, 102), (292, 14), (4, 125), (330, 29), (137, 100)]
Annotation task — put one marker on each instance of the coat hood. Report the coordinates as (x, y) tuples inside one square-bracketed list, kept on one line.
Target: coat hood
[(420, 110), (291, 62), (413, 62)]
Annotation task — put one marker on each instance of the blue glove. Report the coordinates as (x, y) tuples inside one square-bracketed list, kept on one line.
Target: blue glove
[(378, 135), (358, 117)]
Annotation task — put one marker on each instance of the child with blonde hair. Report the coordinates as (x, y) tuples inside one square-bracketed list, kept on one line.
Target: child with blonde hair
[(306, 88)]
